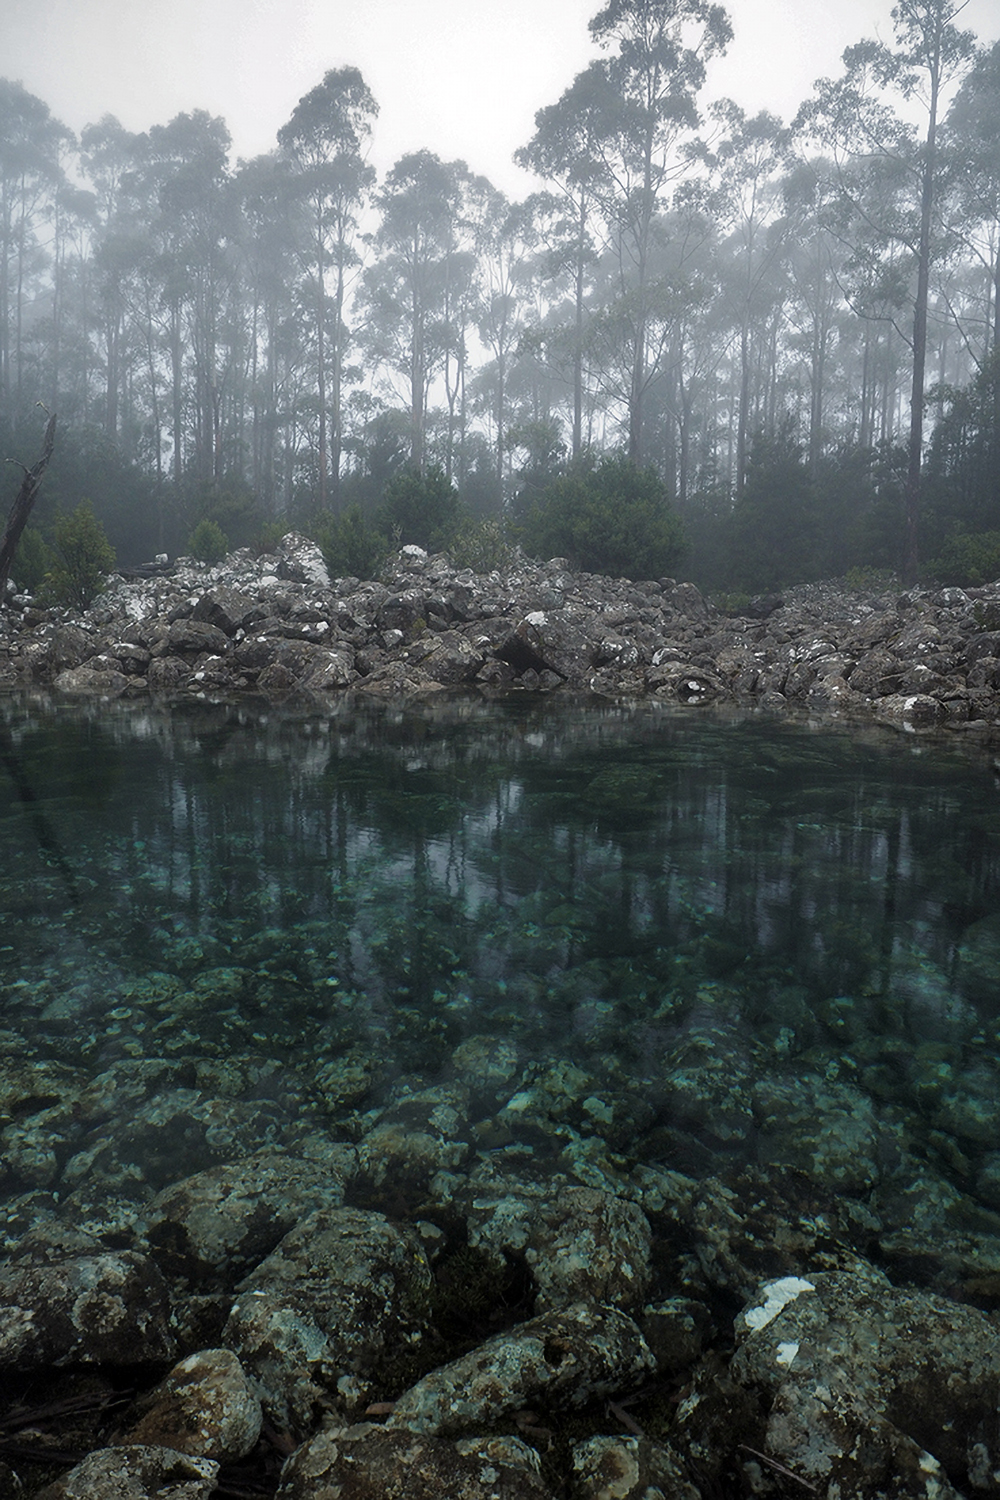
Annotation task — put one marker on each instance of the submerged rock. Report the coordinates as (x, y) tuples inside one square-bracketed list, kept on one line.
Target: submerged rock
[(85, 1309), (629, 1468), (373, 1463), (339, 1294), (864, 1379), (204, 1407), (564, 1359), (210, 1229), (136, 1473)]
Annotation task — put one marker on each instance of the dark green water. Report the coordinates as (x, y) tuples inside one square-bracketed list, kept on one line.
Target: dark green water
[(704, 915)]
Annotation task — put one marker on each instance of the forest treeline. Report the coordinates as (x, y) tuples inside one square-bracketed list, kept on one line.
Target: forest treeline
[(775, 346)]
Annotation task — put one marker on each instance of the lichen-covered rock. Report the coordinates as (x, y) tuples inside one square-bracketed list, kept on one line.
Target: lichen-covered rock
[(300, 560), (866, 1379), (342, 1291), (582, 1245), (136, 1473), (111, 1308), (205, 1406), (752, 1225), (374, 1463), (916, 661), (210, 1229), (422, 1133), (564, 1358), (824, 1129), (629, 1468), (179, 1132)]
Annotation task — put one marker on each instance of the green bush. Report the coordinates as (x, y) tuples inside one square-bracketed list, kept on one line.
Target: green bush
[(83, 559), (968, 558), (482, 546), (421, 508), (208, 542), (33, 559), (351, 547), (610, 518)]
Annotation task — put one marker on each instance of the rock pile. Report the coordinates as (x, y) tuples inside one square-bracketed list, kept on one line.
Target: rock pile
[(278, 625)]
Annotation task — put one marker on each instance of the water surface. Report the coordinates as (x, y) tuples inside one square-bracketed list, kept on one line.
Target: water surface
[(779, 944)]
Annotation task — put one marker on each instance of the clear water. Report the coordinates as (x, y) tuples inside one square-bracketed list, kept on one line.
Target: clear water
[(704, 915)]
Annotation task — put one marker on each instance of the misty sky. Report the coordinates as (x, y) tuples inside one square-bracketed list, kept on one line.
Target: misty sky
[(459, 77)]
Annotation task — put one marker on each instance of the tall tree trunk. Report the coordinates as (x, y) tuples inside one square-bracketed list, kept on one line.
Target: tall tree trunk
[(916, 439)]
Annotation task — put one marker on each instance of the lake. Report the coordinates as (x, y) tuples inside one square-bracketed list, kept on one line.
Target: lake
[(720, 942)]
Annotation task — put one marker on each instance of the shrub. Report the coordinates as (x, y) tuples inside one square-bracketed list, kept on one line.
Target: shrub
[(208, 542), (421, 508), (351, 547), (968, 558), (83, 559), (610, 518), (33, 559), (482, 546)]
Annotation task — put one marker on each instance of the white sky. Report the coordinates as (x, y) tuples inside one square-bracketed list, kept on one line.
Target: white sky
[(462, 78)]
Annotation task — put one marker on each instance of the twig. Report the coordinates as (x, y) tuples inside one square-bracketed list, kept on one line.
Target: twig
[(780, 1468)]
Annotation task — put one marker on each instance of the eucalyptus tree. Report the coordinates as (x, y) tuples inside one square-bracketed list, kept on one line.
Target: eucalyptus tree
[(564, 150), (872, 144), (746, 205), (645, 104), (121, 272), (412, 290), (32, 145), (972, 140), (503, 242), (264, 188), (326, 140), (189, 171)]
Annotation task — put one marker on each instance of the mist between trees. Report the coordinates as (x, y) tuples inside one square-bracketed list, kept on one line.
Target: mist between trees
[(776, 347)]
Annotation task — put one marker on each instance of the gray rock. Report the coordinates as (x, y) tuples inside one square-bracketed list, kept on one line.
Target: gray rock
[(373, 1463), (204, 1407), (582, 1245), (341, 1291), (864, 1379), (301, 560), (210, 1229), (564, 1359), (629, 1468), (110, 1308), (136, 1473)]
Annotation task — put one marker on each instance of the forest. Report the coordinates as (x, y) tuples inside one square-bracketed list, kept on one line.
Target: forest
[(747, 351)]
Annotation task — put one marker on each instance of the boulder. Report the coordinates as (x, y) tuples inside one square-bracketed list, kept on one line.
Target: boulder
[(109, 1308), (136, 1473), (372, 1463), (204, 1407), (563, 1359), (865, 1379), (340, 1293)]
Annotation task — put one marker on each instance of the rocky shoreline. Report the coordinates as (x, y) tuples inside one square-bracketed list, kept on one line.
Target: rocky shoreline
[(279, 626)]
